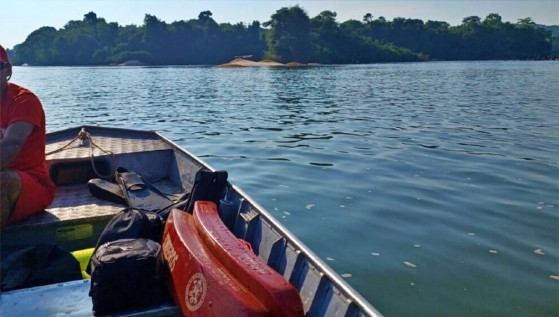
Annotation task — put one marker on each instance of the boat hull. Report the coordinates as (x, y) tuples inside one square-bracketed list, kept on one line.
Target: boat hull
[(76, 219)]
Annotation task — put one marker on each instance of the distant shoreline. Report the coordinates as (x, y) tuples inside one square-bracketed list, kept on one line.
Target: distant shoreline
[(243, 62), (268, 63)]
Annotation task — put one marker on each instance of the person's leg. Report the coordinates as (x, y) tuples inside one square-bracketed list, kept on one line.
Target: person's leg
[(10, 189), (36, 194)]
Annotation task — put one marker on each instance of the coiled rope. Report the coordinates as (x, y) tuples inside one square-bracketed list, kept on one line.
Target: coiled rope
[(84, 137)]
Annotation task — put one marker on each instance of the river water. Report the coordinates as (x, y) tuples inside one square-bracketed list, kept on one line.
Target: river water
[(432, 188)]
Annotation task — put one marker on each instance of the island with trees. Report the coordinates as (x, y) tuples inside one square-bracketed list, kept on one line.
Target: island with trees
[(290, 36)]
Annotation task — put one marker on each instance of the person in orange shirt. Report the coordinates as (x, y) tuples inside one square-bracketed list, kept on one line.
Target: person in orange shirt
[(25, 185)]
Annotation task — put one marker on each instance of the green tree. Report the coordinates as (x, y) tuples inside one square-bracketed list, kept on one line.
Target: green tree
[(290, 35), (155, 38), (471, 20), (493, 20), (90, 18), (35, 50), (526, 22), (327, 38)]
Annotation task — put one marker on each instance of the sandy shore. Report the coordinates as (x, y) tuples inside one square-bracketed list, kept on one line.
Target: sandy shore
[(132, 62), (242, 62)]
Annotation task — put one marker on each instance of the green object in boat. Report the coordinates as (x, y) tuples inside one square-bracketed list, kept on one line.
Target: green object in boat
[(83, 257)]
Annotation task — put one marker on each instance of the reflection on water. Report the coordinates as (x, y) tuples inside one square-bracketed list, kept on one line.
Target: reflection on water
[(429, 184)]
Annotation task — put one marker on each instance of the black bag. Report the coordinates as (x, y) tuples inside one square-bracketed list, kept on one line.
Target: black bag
[(38, 265), (126, 275), (208, 186), (131, 223)]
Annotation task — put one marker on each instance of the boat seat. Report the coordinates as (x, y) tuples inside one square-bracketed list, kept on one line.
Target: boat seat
[(74, 220), (70, 299)]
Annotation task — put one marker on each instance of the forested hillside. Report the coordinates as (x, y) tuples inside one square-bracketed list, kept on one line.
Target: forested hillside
[(289, 35), (554, 29)]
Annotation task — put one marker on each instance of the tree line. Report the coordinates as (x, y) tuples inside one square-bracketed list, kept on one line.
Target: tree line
[(289, 35)]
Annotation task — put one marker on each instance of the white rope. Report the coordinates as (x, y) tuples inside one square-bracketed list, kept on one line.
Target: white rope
[(85, 136)]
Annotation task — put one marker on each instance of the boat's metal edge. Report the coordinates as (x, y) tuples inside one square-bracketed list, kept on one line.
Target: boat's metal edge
[(315, 260), (352, 294), (179, 148)]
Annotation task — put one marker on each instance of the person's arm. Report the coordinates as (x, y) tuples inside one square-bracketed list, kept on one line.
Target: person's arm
[(12, 141)]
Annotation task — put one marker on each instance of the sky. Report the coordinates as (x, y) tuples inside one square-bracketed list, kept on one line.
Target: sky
[(19, 18)]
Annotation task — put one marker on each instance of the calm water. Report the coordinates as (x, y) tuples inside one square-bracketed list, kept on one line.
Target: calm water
[(431, 187)]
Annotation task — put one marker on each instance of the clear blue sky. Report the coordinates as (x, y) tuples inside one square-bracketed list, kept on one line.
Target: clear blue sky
[(18, 18)]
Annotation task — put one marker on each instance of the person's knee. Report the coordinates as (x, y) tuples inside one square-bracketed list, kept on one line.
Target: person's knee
[(10, 188), (10, 184)]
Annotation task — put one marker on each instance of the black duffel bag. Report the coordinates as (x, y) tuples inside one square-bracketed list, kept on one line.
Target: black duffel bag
[(131, 223), (126, 275), (37, 265)]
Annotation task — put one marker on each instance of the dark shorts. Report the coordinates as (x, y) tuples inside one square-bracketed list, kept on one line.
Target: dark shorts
[(36, 195)]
